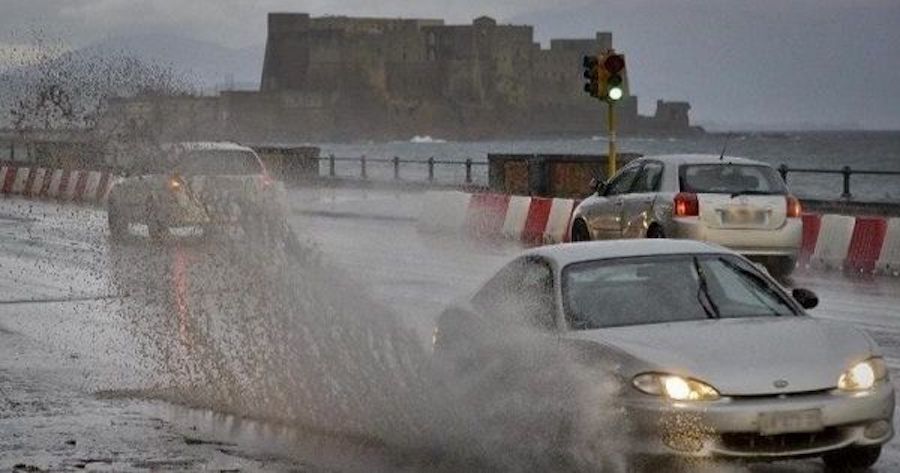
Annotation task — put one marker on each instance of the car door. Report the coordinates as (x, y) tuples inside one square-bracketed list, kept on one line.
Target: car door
[(604, 216), (637, 204)]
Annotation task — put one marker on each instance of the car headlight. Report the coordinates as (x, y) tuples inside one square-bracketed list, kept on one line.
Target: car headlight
[(676, 388), (863, 375)]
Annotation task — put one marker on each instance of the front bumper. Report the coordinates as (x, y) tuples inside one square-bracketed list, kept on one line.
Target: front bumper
[(782, 241), (730, 427)]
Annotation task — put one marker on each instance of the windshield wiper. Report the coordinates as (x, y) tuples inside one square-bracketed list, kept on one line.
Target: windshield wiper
[(712, 311)]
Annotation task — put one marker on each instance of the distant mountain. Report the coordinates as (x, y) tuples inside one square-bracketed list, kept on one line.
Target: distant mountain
[(210, 65), (200, 66)]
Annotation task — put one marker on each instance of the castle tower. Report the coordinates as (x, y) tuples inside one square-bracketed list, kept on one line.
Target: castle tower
[(287, 52)]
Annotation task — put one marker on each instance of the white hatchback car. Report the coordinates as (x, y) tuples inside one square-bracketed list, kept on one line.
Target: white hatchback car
[(203, 184), (735, 202)]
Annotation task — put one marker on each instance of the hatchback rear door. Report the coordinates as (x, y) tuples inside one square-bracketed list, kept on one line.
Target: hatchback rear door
[(736, 196)]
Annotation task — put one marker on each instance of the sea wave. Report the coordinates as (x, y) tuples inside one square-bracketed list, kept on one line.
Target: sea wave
[(426, 139)]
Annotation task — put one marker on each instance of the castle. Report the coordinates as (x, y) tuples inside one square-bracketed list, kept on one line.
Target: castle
[(340, 78)]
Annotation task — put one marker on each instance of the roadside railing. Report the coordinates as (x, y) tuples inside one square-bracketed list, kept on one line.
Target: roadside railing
[(846, 173), (363, 163), (423, 170)]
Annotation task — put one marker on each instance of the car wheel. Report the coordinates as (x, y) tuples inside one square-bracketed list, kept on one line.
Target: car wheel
[(118, 225), (852, 459), (655, 231), (580, 231)]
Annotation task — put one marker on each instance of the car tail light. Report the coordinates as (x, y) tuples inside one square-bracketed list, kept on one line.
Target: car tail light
[(794, 209), (176, 183), (687, 205)]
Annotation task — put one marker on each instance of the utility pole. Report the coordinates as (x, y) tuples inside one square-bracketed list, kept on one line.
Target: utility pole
[(611, 164)]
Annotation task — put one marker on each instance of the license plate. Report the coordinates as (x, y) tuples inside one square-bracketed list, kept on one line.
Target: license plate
[(773, 423), (743, 216)]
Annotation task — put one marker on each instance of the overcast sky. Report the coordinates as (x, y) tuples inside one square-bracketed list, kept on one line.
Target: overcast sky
[(741, 63)]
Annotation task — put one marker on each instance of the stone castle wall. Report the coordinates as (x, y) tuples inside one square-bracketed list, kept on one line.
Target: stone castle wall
[(341, 78)]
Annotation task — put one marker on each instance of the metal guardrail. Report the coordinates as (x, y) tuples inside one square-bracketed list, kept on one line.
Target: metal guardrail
[(396, 162), (846, 172)]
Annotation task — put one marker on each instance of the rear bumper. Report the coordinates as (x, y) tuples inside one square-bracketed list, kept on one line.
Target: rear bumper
[(783, 241), (731, 427)]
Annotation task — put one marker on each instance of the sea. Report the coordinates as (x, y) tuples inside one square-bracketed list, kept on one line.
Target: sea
[(828, 150)]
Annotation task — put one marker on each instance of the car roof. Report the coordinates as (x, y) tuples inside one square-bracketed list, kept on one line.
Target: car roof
[(702, 159), (569, 253), (206, 146)]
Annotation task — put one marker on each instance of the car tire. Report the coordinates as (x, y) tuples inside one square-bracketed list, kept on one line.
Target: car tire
[(852, 459), (655, 231), (118, 225), (580, 231)]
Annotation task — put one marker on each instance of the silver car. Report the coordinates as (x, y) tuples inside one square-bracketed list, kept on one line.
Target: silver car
[(192, 184), (711, 356), (738, 203)]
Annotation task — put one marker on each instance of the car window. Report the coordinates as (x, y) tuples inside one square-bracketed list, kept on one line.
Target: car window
[(621, 184), (662, 289), (520, 293), (740, 292), (728, 178), (649, 178), (217, 162)]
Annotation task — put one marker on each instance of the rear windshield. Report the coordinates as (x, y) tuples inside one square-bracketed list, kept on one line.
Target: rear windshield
[(728, 178), (217, 162)]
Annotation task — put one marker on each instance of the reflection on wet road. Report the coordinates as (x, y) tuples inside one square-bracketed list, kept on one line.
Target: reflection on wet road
[(323, 343)]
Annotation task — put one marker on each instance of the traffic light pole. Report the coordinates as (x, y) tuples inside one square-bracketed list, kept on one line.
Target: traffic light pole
[(611, 123)]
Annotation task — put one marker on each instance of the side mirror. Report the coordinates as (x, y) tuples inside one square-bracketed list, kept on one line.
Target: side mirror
[(598, 185), (806, 298)]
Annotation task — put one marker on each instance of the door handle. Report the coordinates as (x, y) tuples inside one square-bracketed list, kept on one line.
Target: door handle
[(619, 203)]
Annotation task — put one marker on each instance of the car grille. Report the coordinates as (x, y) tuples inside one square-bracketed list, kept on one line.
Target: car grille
[(782, 443), (784, 395)]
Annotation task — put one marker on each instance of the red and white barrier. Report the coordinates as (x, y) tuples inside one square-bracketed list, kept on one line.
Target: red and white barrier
[(68, 185), (531, 220), (889, 257), (516, 216), (857, 244)]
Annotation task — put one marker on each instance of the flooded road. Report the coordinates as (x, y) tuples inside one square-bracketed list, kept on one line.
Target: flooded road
[(229, 353)]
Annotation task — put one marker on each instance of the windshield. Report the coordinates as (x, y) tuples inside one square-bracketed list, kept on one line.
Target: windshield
[(217, 162), (660, 289), (728, 178)]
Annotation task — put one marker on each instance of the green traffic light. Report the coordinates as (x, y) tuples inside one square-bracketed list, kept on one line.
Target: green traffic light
[(615, 93)]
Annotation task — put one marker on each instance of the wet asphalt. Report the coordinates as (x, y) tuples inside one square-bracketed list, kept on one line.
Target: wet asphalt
[(94, 339)]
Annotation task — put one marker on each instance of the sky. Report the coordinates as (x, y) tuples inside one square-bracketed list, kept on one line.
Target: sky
[(760, 64)]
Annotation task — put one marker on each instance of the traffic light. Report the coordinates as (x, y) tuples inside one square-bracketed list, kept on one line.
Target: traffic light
[(591, 66), (605, 75), (614, 66)]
